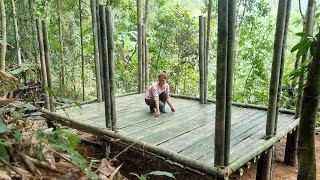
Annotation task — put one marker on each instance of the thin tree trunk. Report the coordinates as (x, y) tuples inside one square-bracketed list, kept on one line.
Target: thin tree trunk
[(47, 60), (96, 49), (310, 104), (229, 83), (273, 91), (63, 63), (221, 82), (34, 33), (146, 51), (140, 58), (43, 65), (16, 33), (207, 50), (81, 46), (4, 36)]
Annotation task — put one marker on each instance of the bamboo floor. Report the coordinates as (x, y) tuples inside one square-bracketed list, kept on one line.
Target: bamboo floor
[(188, 133)]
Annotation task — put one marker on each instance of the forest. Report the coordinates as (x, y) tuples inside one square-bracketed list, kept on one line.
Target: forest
[(172, 37), (172, 46)]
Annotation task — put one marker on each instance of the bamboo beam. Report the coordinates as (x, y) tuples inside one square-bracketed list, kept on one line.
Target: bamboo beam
[(106, 83), (221, 82), (47, 60), (43, 65), (244, 105), (111, 66), (201, 58)]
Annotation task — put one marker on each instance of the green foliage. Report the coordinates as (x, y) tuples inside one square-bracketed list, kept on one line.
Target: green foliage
[(153, 173), (66, 142)]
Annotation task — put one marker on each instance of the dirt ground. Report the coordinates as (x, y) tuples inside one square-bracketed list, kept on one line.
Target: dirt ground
[(133, 162)]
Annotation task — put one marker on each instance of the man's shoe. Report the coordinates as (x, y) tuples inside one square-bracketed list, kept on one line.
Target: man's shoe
[(152, 109)]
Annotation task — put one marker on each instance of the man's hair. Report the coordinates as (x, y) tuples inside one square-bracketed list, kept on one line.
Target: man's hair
[(163, 74)]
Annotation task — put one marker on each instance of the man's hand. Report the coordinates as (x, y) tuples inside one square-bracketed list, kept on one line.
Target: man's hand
[(173, 109)]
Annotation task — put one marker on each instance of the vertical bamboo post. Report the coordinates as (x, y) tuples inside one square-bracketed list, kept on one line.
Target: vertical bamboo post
[(230, 62), (100, 48), (221, 82), (103, 32), (43, 65), (283, 59), (143, 62), (140, 58), (201, 58), (111, 66), (47, 60), (207, 50), (96, 49), (81, 45), (266, 168)]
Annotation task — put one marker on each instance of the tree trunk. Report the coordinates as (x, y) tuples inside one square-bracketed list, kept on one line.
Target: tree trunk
[(63, 63), (47, 59), (146, 51), (81, 46), (43, 65), (34, 33), (16, 33), (96, 49), (4, 36), (310, 103)]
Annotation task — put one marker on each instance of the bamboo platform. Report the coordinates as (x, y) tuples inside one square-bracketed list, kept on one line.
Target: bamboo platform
[(185, 136)]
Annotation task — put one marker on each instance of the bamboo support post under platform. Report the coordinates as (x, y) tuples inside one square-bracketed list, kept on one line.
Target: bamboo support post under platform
[(221, 172)]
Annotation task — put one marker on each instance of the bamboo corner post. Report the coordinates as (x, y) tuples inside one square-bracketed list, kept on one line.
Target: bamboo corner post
[(111, 66), (104, 50)]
